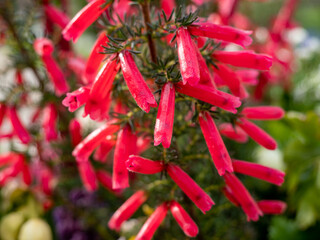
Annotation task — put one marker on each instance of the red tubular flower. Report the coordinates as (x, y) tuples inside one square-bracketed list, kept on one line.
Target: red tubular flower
[(217, 149), (46, 181), (125, 146), (8, 173), (189, 66), (100, 90), (87, 175), (87, 145), (143, 143), (49, 123), (76, 99), (223, 33), (150, 226), (135, 82), (96, 57), (56, 16), (263, 113), (246, 59), (235, 133), (257, 134), (83, 19), (244, 198), (201, 199), (127, 209), (142, 165), (186, 223), (232, 81), (26, 175), (258, 171), (165, 117), (19, 129), (210, 95), (229, 195), (272, 206), (104, 149), (106, 181), (44, 48), (3, 109), (75, 132), (167, 6)]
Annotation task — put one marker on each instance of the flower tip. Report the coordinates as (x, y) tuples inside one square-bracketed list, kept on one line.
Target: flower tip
[(190, 230)]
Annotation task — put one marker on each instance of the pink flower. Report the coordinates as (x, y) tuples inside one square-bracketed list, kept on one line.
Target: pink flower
[(201, 199), (87, 175), (19, 129), (272, 206), (44, 48), (210, 95), (257, 134), (75, 132), (186, 223), (244, 198), (150, 226), (233, 132), (189, 66), (232, 81), (127, 209), (76, 99), (165, 117), (104, 149), (56, 16), (135, 82), (96, 57), (49, 123), (125, 146), (248, 76), (246, 59), (263, 113), (106, 181), (223, 33), (87, 145), (98, 101), (83, 19), (217, 149), (258, 171), (142, 165)]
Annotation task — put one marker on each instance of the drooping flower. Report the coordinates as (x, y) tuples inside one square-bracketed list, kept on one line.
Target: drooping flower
[(210, 95), (272, 206), (150, 226), (244, 198), (75, 132), (223, 33), (263, 113), (233, 132), (189, 66), (127, 209), (49, 123), (217, 149), (231, 79), (87, 175), (44, 48), (125, 146), (96, 57), (246, 59), (135, 82), (56, 16), (259, 171), (76, 99), (19, 129), (97, 103), (83, 19), (104, 148), (165, 117), (186, 223), (257, 134), (200, 198), (87, 145), (142, 165)]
